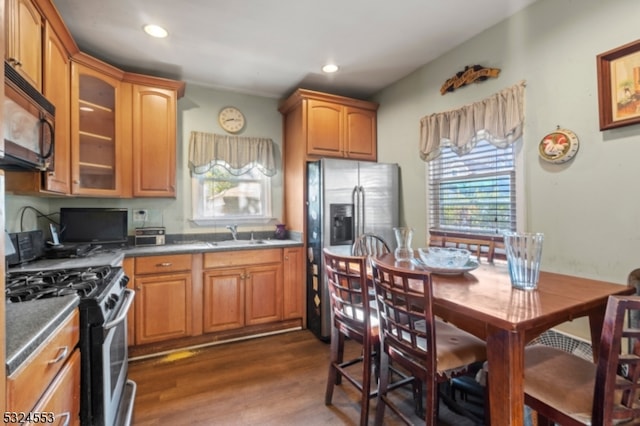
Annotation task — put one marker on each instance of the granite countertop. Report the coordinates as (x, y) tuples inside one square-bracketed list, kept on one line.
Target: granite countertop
[(28, 324), (197, 246)]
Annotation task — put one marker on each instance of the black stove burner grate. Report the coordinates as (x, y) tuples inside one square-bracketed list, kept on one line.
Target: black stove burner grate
[(30, 285)]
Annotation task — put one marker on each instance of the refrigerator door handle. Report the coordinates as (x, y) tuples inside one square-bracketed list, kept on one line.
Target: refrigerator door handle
[(355, 199), (361, 209)]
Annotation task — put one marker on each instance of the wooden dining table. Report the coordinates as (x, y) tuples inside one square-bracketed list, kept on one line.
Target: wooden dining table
[(484, 303)]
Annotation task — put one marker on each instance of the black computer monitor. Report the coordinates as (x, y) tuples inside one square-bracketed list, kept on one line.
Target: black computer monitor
[(93, 225)]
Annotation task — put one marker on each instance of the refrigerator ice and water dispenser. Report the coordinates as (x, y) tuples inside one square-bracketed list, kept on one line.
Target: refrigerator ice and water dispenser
[(341, 224)]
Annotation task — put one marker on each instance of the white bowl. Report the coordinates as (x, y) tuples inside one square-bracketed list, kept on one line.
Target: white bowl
[(444, 257)]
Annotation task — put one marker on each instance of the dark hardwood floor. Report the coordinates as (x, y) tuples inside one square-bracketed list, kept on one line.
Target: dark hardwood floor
[(273, 380)]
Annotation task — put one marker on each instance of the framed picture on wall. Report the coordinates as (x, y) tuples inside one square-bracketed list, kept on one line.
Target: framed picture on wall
[(619, 86)]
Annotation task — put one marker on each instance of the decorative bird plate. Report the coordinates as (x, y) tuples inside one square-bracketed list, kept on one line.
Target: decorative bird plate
[(559, 147)]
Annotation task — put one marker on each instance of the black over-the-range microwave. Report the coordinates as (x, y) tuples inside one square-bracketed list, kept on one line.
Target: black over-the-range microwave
[(29, 125)]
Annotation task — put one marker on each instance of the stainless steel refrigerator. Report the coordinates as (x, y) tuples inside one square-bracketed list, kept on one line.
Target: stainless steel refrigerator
[(345, 198)]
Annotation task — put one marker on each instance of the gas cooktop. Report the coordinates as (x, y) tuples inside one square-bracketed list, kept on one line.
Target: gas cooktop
[(22, 286)]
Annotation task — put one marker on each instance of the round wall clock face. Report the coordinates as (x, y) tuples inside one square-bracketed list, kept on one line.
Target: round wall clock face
[(559, 146), (231, 119)]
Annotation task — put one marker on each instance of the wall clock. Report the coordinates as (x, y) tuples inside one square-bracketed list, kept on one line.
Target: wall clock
[(559, 147), (231, 119)]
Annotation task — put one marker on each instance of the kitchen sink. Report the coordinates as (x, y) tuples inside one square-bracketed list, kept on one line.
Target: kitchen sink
[(235, 243)]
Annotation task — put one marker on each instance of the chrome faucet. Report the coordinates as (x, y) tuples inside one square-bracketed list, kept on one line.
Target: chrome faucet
[(234, 231)]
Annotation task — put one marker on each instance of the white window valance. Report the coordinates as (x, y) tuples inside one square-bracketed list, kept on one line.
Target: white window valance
[(497, 119), (237, 154)]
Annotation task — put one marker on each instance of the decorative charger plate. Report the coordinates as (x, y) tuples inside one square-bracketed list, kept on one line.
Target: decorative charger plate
[(469, 266), (559, 146)]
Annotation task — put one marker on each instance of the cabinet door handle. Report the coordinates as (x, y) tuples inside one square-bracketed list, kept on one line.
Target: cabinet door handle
[(62, 354), (66, 416), (164, 264), (243, 276), (14, 62)]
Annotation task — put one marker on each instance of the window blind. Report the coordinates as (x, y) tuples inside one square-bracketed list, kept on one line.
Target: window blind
[(474, 193)]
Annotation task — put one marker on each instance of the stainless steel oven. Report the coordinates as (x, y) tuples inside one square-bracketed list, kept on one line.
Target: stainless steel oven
[(107, 396), (109, 349)]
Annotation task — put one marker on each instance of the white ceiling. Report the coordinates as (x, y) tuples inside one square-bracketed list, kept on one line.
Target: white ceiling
[(271, 47)]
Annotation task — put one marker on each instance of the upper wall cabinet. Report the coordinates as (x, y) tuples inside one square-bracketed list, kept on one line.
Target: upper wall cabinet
[(153, 103), (335, 130), (321, 125), (98, 165), (115, 130), (334, 126), (23, 46), (57, 89)]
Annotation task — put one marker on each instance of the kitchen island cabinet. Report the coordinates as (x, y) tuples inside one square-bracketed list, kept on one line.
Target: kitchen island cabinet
[(163, 304)]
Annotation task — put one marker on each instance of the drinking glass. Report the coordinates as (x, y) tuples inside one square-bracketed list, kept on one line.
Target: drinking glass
[(403, 250), (524, 251)]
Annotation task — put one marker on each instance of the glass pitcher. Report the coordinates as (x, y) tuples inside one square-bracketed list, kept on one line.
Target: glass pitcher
[(403, 251)]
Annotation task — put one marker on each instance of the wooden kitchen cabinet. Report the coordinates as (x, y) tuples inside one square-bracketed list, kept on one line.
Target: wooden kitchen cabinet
[(153, 134), (223, 300), (163, 304), (98, 164), (115, 130), (23, 44), (242, 289), (320, 125), (63, 396), (50, 377), (331, 126), (336, 130), (294, 283), (57, 89), (263, 294)]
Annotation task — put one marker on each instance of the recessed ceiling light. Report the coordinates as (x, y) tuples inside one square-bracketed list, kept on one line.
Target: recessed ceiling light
[(329, 68), (155, 31)]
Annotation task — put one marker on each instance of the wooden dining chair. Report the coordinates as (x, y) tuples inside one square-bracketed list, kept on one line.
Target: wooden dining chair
[(432, 350), (478, 247), (569, 390), (369, 244), (353, 317)]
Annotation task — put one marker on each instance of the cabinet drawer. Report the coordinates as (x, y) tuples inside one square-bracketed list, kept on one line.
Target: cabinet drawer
[(163, 264), (63, 396), (26, 385), (240, 258)]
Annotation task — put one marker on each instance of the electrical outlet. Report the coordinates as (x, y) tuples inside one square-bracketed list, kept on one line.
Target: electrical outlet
[(140, 215)]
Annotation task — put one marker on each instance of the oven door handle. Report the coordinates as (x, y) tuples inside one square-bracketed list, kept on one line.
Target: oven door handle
[(124, 310)]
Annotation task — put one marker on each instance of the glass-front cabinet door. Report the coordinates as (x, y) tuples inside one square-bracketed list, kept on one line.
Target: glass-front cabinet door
[(95, 137)]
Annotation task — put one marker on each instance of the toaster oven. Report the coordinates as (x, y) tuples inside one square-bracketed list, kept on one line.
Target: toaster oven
[(150, 236)]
